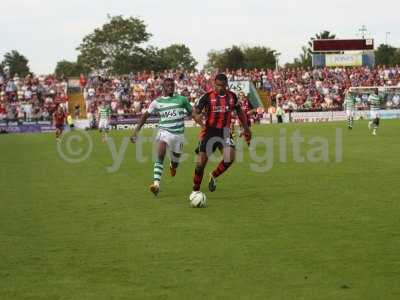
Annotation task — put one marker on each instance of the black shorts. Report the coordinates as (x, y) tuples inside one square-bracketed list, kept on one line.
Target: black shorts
[(212, 139)]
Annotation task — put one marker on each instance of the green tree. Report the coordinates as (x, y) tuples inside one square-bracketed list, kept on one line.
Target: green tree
[(396, 60), (177, 56), (241, 57), (117, 40), (125, 63), (154, 60), (387, 55), (214, 60), (69, 69), (17, 63), (233, 58), (229, 58), (259, 57), (304, 60)]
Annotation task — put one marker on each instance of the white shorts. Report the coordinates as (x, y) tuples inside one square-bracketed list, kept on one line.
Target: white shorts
[(174, 141), (349, 113), (374, 114), (103, 124)]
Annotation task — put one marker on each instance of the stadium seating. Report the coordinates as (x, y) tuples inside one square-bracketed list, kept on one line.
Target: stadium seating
[(293, 89), (31, 98)]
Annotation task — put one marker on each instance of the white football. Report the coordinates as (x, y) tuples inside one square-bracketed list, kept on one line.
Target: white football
[(198, 200)]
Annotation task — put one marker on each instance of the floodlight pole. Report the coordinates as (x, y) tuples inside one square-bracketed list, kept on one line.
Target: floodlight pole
[(277, 54), (363, 30), (387, 37)]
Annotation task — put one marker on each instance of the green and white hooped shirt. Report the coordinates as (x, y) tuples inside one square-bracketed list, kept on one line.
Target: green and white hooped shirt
[(172, 111)]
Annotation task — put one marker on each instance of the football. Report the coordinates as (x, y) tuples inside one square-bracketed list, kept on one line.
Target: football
[(198, 200)]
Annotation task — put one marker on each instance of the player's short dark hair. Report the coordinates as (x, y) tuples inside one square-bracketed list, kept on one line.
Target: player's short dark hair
[(221, 77)]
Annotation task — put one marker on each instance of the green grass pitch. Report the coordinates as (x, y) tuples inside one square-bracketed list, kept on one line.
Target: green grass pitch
[(322, 230)]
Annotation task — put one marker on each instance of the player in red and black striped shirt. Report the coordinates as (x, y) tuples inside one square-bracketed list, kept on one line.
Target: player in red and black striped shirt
[(59, 118), (218, 106), (248, 111)]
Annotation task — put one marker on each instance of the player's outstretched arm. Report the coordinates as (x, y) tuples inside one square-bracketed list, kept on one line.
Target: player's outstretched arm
[(198, 117), (243, 121), (139, 126), (199, 107), (252, 111)]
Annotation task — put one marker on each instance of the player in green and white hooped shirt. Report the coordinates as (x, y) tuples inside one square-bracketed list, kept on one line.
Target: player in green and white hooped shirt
[(375, 105), (104, 114), (172, 110), (349, 104)]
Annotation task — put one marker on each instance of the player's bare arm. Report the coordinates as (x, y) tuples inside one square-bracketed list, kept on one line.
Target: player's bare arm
[(252, 111), (243, 121), (139, 126), (198, 117)]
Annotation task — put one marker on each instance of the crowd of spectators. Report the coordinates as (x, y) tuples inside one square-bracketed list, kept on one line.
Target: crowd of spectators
[(291, 89), (31, 98), (130, 95), (324, 89)]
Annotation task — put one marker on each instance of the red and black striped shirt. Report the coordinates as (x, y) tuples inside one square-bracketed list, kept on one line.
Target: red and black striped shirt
[(218, 108), (59, 118)]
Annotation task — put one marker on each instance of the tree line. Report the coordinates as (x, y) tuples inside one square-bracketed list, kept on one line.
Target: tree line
[(117, 47)]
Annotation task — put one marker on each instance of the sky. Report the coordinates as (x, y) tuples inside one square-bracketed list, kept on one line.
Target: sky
[(47, 31)]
